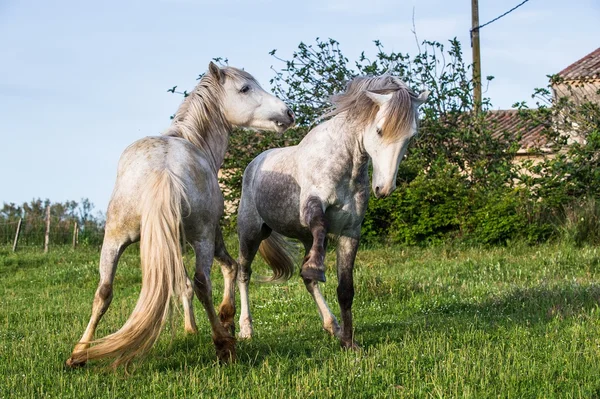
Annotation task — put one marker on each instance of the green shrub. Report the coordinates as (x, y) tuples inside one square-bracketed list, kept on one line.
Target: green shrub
[(582, 222), (459, 179), (426, 210), (498, 219)]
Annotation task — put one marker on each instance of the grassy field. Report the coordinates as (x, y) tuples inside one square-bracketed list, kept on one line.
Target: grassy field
[(442, 322)]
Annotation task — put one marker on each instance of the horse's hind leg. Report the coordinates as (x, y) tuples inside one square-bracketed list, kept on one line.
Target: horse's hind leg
[(112, 248), (224, 342), (187, 298), (229, 270)]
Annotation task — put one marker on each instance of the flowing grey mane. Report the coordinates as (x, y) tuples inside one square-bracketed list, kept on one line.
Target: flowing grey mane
[(362, 110)]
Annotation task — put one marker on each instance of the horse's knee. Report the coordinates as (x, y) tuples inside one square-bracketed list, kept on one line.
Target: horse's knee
[(244, 274), (200, 280), (105, 292), (226, 311), (189, 290)]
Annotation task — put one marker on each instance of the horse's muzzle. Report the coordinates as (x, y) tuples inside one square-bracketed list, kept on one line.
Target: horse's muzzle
[(383, 192), (285, 121)]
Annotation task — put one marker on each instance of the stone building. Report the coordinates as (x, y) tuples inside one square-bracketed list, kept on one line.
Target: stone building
[(577, 83), (580, 80)]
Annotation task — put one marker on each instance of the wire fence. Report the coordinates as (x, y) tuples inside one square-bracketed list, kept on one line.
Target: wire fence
[(31, 233)]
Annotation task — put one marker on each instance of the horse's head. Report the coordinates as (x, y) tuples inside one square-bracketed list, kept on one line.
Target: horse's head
[(386, 138), (246, 104)]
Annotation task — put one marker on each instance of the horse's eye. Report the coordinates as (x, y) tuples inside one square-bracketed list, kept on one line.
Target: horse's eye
[(245, 89), (379, 131)]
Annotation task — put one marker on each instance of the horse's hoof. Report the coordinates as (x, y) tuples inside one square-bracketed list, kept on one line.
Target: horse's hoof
[(225, 347), (245, 333), (351, 345), (314, 274), (333, 329), (72, 364), (225, 356)]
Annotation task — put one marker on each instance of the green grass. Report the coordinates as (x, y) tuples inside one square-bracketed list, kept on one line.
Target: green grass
[(442, 322)]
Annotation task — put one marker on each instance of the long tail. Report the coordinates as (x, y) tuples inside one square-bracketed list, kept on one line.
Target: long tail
[(277, 252), (163, 272)]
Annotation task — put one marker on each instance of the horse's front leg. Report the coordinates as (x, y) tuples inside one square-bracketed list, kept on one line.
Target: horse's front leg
[(313, 213), (229, 268), (346, 254)]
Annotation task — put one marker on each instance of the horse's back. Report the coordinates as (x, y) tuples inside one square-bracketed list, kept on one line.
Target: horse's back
[(145, 159)]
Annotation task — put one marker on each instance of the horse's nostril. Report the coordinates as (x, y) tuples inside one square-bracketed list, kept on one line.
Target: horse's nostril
[(377, 191)]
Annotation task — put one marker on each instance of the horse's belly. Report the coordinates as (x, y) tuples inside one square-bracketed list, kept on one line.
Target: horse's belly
[(278, 204)]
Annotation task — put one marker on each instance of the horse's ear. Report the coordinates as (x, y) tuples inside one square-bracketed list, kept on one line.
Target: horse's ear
[(216, 72), (379, 99), (422, 98)]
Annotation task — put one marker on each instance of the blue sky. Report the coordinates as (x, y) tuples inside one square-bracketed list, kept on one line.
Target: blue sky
[(80, 80)]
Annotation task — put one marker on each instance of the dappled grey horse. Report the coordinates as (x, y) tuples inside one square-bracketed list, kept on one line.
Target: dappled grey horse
[(167, 190), (321, 187)]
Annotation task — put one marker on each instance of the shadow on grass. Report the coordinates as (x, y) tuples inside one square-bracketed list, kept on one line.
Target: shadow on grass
[(199, 351), (529, 307), (13, 263)]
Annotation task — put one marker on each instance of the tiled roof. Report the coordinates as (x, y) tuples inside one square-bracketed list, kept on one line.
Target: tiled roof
[(587, 67), (511, 122)]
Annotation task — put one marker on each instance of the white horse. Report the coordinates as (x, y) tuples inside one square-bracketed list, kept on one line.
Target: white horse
[(167, 190), (321, 187)]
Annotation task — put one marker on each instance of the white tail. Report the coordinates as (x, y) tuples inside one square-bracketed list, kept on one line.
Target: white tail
[(163, 272)]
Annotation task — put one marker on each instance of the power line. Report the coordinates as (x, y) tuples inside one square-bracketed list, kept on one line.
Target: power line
[(500, 16)]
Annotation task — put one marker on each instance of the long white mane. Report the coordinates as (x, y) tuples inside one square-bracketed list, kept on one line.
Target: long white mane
[(200, 118)]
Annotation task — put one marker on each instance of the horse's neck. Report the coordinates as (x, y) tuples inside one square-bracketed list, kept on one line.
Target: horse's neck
[(211, 140), (343, 145), (216, 147)]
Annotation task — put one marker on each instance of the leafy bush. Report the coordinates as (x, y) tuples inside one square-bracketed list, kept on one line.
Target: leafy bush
[(458, 180), (448, 129), (427, 209), (582, 222), (498, 219)]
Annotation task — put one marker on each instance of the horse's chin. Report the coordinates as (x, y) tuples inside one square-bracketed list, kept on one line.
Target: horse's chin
[(271, 126), (279, 127)]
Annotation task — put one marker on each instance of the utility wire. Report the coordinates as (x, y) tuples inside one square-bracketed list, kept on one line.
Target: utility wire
[(500, 16)]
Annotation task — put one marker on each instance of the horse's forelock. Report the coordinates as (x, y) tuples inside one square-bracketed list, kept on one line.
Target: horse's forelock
[(363, 110), (239, 74)]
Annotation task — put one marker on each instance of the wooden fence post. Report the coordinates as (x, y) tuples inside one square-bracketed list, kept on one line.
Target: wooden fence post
[(47, 237), (75, 234), (16, 242)]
